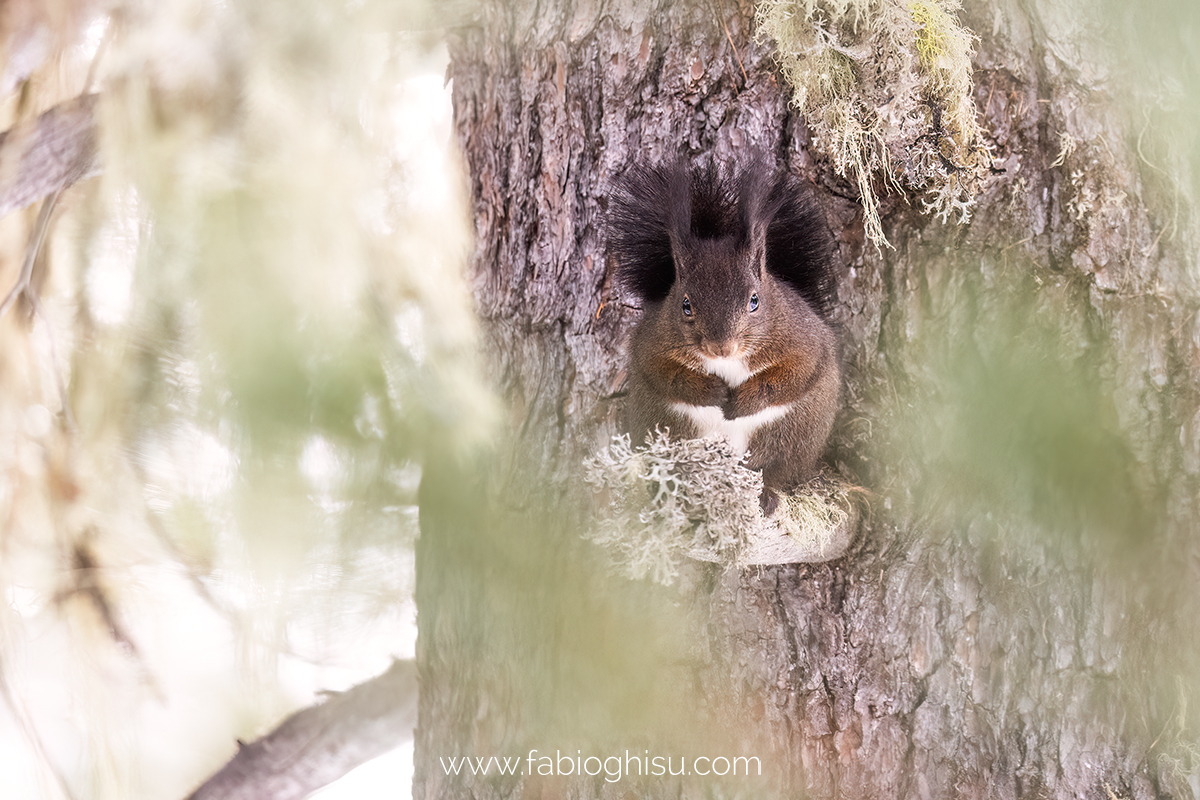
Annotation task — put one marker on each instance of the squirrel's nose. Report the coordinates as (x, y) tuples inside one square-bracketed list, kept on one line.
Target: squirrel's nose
[(720, 349)]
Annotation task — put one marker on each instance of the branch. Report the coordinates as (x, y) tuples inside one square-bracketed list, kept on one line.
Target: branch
[(46, 155), (318, 745), (31, 253)]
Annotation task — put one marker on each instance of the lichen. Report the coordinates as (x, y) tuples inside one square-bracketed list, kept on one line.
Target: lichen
[(695, 499), (885, 86)]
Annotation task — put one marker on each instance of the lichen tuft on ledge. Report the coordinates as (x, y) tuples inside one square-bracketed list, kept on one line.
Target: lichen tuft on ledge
[(695, 499)]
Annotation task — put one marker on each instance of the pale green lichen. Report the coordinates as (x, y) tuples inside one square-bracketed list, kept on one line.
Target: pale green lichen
[(885, 86), (695, 499)]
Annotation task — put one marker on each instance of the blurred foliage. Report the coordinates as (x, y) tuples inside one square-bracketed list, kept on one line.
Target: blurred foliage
[(260, 321), (1159, 45), (259, 318), (1008, 416), (292, 299)]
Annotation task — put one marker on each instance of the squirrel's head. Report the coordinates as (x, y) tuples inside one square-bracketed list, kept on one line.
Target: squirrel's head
[(721, 294), (706, 248)]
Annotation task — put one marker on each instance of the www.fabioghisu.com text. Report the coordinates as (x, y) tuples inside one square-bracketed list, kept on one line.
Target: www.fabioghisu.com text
[(613, 768)]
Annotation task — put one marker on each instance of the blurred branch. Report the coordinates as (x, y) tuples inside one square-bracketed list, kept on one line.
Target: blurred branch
[(46, 155), (317, 745), (31, 253), (22, 288)]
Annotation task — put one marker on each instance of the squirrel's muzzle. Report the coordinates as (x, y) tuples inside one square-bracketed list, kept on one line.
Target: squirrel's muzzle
[(719, 349)]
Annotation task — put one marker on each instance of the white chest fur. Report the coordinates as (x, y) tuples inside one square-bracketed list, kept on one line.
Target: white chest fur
[(711, 422), (731, 370)]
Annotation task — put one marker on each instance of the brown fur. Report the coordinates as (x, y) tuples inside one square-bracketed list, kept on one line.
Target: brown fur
[(788, 348)]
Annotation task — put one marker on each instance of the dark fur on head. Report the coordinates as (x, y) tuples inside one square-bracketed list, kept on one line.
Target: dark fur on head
[(655, 205)]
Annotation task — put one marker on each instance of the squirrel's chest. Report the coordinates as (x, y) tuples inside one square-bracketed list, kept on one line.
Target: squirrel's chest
[(734, 371), (710, 421)]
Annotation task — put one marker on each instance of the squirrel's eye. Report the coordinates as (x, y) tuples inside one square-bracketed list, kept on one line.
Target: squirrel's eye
[(754, 302), (687, 307)]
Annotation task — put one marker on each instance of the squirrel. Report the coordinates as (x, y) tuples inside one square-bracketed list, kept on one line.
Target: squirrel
[(734, 274)]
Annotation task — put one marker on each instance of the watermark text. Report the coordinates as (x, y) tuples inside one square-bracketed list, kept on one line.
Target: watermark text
[(613, 768)]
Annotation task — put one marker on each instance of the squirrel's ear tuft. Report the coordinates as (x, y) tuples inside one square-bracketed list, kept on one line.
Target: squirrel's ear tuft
[(645, 210), (756, 208), (799, 245)]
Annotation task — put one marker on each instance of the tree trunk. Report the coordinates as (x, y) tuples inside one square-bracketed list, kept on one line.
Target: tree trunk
[(1021, 400)]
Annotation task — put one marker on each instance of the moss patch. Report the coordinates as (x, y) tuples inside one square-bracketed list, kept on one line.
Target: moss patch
[(885, 86)]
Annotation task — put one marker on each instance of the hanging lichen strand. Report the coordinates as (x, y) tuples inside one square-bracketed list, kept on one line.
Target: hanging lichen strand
[(885, 86)]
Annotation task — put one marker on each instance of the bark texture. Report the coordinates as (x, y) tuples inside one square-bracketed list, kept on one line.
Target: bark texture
[(1021, 399)]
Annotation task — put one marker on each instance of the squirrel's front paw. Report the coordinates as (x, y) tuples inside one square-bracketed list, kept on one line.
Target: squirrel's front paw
[(715, 393), (729, 407)]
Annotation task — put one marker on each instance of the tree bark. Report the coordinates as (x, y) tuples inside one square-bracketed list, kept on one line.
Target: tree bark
[(1021, 400)]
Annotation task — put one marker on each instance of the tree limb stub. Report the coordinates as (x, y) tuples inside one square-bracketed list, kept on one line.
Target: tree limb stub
[(317, 745), (46, 155)]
